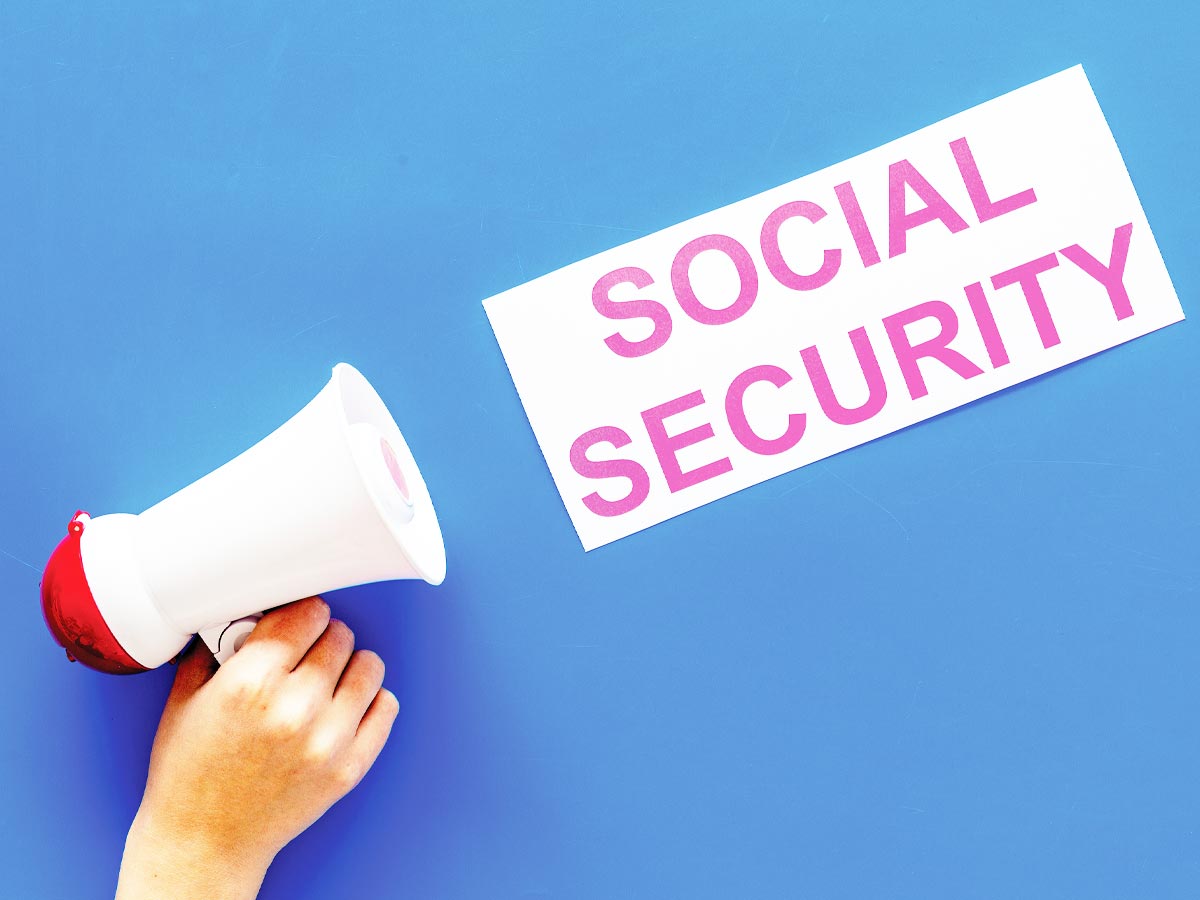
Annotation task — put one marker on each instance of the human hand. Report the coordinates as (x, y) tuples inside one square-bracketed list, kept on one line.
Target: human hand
[(250, 754)]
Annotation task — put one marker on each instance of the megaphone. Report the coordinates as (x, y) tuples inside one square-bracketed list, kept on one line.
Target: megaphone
[(330, 499)]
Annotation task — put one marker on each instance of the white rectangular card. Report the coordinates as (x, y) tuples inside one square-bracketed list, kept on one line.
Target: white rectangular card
[(994, 246)]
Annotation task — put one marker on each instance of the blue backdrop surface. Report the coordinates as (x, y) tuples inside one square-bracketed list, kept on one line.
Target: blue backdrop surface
[(957, 662)]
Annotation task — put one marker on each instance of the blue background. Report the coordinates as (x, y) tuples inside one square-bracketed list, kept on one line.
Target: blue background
[(958, 662)]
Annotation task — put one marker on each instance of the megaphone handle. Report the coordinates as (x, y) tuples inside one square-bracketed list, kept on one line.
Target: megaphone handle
[(227, 639)]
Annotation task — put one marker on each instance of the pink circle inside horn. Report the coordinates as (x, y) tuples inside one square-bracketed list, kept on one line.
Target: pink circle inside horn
[(393, 467)]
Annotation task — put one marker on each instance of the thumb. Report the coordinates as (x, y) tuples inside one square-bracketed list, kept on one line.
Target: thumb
[(196, 667)]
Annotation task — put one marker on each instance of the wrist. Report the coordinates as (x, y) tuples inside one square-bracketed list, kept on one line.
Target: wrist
[(162, 859)]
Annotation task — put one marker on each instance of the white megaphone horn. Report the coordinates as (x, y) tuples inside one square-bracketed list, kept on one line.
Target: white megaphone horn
[(330, 499)]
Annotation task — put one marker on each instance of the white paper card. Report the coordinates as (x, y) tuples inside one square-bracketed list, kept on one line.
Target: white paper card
[(979, 252)]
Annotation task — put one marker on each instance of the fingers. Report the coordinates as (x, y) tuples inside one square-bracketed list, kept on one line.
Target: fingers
[(363, 714), (284, 635), (327, 658), (319, 681), (373, 731), (358, 686)]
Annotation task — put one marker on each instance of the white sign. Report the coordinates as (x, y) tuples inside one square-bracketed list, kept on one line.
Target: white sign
[(994, 246)]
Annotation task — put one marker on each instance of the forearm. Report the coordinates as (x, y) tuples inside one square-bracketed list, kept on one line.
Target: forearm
[(159, 864)]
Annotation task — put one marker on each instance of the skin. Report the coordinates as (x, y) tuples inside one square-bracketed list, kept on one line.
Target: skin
[(249, 754)]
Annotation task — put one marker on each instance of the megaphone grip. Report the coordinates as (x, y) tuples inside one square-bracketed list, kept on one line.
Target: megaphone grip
[(224, 640)]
